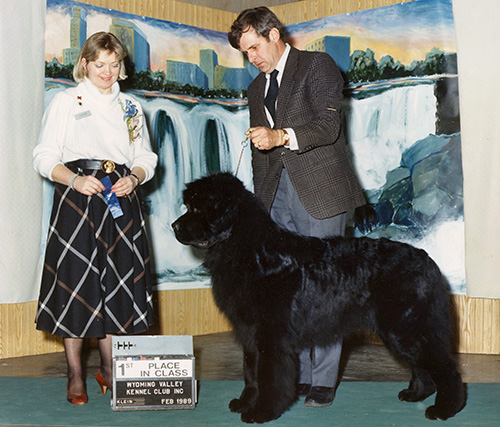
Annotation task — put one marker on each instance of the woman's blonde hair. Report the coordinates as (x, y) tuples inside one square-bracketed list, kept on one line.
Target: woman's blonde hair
[(91, 50)]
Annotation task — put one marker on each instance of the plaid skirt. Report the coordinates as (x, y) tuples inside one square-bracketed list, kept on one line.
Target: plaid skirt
[(96, 277)]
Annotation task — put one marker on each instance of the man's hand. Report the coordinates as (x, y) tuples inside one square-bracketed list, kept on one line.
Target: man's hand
[(264, 138)]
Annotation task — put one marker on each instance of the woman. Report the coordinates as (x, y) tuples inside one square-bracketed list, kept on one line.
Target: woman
[(96, 279)]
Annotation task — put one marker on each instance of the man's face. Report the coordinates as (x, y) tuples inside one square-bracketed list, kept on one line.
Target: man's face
[(261, 52)]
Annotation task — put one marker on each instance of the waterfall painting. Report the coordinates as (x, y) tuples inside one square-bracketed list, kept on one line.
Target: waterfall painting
[(402, 122), (401, 118)]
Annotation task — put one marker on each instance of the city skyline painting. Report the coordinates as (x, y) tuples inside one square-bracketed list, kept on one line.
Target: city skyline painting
[(404, 33), (169, 40)]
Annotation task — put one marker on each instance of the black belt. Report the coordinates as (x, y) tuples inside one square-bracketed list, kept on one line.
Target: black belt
[(106, 166)]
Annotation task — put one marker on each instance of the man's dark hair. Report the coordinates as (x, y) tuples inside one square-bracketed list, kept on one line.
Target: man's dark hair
[(261, 19)]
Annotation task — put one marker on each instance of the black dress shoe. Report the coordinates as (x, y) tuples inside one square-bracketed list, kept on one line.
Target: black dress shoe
[(320, 396), (303, 389)]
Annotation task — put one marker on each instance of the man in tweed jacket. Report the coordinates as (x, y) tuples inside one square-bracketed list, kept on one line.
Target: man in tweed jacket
[(300, 166)]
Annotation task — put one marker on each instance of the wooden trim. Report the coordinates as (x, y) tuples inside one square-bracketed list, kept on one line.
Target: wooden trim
[(218, 20), (189, 312), (18, 334), (303, 11), (478, 325), (193, 312), (173, 11)]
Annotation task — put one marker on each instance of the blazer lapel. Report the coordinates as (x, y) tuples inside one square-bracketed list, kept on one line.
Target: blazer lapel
[(260, 82)]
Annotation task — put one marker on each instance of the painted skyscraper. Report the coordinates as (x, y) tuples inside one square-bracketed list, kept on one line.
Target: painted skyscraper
[(77, 36), (135, 42), (338, 47), (208, 62)]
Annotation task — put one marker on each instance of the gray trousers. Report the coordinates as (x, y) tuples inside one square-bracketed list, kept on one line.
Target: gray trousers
[(319, 366)]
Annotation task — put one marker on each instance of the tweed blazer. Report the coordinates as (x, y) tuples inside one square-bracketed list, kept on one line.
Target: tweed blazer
[(309, 102)]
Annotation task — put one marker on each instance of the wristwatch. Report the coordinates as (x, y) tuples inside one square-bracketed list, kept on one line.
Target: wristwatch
[(286, 138)]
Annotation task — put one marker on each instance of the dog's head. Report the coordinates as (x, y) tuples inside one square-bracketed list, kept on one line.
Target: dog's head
[(212, 205)]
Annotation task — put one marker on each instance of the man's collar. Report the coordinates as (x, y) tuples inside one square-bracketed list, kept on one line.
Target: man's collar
[(282, 62)]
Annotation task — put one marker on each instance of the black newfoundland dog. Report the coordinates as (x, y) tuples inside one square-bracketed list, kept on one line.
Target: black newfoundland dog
[(283, 292)]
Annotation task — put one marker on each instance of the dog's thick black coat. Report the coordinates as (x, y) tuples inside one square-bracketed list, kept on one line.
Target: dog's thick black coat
[(283, 292)]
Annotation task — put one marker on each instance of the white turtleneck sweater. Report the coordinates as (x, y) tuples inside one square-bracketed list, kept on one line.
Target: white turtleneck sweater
[(83, 123)]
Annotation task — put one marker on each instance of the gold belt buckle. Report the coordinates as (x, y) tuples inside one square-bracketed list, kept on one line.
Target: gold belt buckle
[(108, 166)]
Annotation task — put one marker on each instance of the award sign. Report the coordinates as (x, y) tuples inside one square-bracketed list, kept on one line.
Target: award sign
[(153, 372)]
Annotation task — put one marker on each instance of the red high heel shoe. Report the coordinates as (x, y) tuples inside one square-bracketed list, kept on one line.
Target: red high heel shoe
[(76, 399), (103, 384)]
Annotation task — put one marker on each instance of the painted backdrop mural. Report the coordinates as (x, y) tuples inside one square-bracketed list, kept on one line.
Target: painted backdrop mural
[(401, 117)]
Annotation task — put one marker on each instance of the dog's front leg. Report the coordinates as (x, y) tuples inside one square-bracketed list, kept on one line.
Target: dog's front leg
[(276, 375), (248, 396)]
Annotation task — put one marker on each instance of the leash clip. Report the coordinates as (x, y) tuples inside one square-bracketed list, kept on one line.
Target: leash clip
[(244, 143)]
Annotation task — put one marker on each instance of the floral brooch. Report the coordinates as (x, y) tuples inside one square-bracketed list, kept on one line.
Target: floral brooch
[(132, 119)]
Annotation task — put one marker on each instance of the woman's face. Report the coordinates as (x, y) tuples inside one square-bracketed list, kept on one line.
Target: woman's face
[(104, 71)]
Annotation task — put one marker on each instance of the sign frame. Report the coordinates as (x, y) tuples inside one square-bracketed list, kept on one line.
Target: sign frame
[(153, 372)]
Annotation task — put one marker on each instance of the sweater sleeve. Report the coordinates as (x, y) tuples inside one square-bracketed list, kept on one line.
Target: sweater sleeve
[(48, 151)]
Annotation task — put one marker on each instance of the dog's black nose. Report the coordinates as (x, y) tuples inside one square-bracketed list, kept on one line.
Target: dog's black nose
[(175, 226)]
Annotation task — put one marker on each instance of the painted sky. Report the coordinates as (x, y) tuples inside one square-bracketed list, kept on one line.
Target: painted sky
[(405, 31)]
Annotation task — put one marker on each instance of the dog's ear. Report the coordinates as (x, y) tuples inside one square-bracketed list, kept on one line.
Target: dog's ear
[(220, 194)]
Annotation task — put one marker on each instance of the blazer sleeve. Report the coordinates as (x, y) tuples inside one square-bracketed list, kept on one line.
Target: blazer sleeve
[(313, 107)]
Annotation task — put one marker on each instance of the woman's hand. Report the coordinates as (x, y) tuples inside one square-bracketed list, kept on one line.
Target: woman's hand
[(88, 185), (124, 186)]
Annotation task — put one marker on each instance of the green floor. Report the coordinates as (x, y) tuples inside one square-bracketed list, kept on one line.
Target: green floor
[(41, 401)]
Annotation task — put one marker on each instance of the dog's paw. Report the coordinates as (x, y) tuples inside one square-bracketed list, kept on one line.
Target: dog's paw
[(434, 413), (409, 395), (406, 396), (238, 406), (256, 416)]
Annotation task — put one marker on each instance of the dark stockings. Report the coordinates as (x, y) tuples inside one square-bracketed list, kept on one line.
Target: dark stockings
[(105, 351), (73, 348)]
